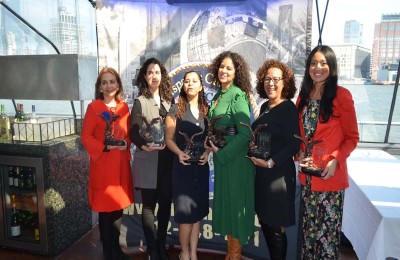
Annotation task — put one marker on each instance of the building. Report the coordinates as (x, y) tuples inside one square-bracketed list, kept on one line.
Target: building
[(70, 26), (353, 62), (13, 39), (386, 49), (353, 32), (67, 33)]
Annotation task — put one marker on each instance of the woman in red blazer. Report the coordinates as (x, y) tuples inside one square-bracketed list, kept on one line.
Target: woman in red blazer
[(110, 181), (326, 112)]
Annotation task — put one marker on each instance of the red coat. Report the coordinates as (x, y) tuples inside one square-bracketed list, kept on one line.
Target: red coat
[(110, 178), (340, 135)]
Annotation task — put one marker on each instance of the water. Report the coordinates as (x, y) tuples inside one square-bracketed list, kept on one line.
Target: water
[(372, 104)]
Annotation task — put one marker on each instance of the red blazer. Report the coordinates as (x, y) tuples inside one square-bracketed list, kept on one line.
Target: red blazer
[(110, 178), (340, 135)]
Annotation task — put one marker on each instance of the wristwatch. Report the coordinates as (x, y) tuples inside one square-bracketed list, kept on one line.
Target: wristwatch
[(270, 163)]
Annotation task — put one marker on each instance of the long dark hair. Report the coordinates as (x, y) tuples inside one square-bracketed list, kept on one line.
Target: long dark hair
[(183, 101), (165, 87), (331, 83), (242, 72), (120, 91)]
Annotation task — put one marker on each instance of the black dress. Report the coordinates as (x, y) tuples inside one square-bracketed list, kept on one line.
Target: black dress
[(275, 188), (190, 188)]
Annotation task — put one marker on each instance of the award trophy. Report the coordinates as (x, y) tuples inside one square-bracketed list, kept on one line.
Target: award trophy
[(109, 135), (214, 134), (318, 153), (152, 135), (194, 149), (259, 145)]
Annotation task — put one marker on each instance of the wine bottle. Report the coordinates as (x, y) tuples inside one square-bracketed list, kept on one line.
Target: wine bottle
[(10, 176), (15, 226), (5, 126), (36, 232), (29, 182), (16, 177), (13, 199), (34, 118), (21, 182), (17, 116), (23, 115)]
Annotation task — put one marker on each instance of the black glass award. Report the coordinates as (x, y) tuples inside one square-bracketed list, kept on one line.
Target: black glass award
[(215, 134), (153, 135), (109, 139), (194, 149), (260, 142), (318, 155)]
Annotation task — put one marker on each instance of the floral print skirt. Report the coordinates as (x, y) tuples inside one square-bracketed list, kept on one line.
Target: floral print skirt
[(320, 223)]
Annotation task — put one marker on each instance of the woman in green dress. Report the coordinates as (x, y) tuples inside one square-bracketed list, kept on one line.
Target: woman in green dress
[(233, 211)]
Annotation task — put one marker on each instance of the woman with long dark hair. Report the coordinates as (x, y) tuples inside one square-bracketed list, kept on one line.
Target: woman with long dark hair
[(233, 209), (152, 164), (186, 130), (327, 114)]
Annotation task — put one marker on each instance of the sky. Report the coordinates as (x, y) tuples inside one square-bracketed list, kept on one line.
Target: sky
[(339, 11)]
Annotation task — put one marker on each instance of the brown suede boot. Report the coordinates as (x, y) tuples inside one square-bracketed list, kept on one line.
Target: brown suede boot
[(234, 249), (228, 250)]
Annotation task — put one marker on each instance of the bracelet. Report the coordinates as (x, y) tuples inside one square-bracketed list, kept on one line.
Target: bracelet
[(270, 163)]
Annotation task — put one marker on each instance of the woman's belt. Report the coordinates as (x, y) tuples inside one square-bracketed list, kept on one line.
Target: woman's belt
[(231, 130)]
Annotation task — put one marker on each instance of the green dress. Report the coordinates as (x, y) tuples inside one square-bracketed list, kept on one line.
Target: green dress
[(233, 210)]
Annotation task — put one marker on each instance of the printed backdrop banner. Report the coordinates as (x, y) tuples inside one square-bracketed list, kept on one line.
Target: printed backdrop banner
[(188, 36)]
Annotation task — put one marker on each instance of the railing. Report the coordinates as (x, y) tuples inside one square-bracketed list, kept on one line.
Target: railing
[(374, 131), (370, 131)]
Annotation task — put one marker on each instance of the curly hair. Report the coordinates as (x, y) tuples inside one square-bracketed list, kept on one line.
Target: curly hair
[(331, 83), (165, 87), (98, 94), (183, 101), (289, 84), (242, 72)]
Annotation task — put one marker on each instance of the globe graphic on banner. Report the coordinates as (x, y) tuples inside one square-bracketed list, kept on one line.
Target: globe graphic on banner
[(213, 32)]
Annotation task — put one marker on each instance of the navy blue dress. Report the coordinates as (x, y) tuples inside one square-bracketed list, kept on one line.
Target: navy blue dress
[(190, 188)]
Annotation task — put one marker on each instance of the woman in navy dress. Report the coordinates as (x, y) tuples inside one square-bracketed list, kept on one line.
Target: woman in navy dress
[(185, 123)]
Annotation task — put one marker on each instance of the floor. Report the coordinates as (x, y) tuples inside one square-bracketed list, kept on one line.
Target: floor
[(89, 248)]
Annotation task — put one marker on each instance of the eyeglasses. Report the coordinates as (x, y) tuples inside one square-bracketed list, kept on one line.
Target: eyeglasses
[(275, 80)]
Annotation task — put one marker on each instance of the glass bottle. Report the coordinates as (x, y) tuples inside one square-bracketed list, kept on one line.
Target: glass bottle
[(16, 177), (21, 182), (5, 126), (29, 182), (13, 199), (17, 116), (15, 226), (10, 176), (23, 115), (36, 232), (34, 118)]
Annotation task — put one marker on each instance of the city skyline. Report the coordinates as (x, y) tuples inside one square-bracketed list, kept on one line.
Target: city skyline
[(340, 11)]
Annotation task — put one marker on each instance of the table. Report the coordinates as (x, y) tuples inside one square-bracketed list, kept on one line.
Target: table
[(371, 218)]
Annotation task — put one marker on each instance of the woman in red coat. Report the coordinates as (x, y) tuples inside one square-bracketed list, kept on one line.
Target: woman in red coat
[(326, 112), (110, 181)]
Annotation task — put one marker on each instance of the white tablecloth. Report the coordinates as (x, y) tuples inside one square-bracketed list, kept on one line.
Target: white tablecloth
[(371, 219)]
